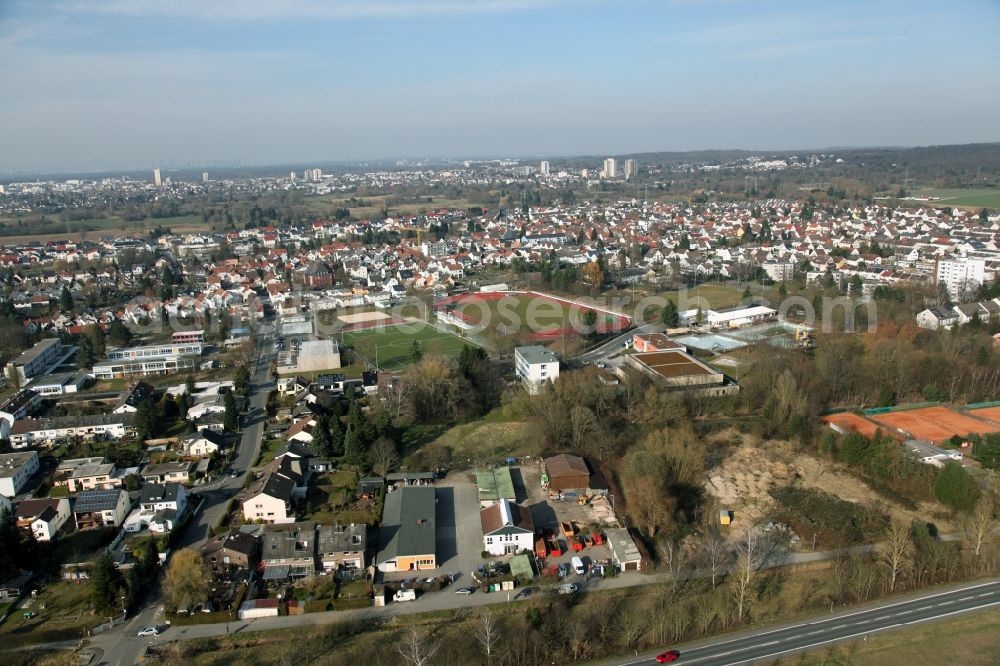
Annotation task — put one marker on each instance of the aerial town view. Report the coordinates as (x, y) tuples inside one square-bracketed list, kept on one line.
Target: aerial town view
[(498, 332)]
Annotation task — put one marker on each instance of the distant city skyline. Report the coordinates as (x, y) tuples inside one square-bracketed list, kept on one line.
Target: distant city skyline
[(139, 84)]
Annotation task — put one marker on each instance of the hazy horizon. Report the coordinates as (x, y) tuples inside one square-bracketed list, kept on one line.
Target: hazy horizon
[(135, 84)]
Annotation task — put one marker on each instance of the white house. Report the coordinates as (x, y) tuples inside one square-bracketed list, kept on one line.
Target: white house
[(507, 528), (15, 470), (43, 517), (203, 444), (95, 509), (269, 500), (535, 365)]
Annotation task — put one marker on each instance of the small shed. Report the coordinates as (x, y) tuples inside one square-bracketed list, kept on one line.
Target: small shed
[(259, 608), (725, 517), (624, 552)]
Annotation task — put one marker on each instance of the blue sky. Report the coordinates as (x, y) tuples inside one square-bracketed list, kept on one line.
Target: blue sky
[(115, 84)]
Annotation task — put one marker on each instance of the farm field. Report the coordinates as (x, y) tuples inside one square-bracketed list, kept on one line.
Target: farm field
[(95, 228), (395, 344), (323, 203), (971, 198)]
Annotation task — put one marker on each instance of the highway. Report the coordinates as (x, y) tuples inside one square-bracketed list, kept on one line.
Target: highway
[(768, 645)]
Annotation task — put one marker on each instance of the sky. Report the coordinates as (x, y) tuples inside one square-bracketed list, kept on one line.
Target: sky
[(133, 84)]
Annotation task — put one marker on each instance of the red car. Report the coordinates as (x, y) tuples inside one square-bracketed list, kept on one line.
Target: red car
[(667, 657)]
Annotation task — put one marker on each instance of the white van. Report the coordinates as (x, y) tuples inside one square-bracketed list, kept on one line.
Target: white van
[(405, 595), (578, 566)]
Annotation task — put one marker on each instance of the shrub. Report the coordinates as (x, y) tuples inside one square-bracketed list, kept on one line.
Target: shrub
[(955, 488), (834, 521)]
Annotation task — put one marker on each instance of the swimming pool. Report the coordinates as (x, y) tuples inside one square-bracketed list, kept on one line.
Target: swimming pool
[(711, 342)]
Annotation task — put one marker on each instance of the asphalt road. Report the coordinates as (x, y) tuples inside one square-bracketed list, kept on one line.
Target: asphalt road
[(121, 645), (615, 344), (765, 646)]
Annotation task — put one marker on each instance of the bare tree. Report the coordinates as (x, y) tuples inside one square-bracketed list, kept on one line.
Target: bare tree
[(744, 574), (383, 456), (391, 402), (578, 641), (416, 649), (631, 624), (674, 558), (582, 424), (980, 523), (897, 553), (714, 549), (488, 635)]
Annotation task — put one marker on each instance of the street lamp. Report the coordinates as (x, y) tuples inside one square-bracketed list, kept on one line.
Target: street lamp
[(123, 605)]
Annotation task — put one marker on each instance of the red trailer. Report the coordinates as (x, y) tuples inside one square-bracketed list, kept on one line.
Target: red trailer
[(577, 545), (540, 550), (598, 538), (554, 549)]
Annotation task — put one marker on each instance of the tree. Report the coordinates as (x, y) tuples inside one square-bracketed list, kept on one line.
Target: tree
[(714, 549), (897, 554), (118, 334), (383, 456), (416, 353), (231, 420), (590, 321), (189, 385), (147, 419), (955, 488), (66, 300), (670, 316), (106, 585), (743, 577), (980, 522), (416, 649), (241, 382), (187, 581), (488, 634), (673, 556), (593, 276)]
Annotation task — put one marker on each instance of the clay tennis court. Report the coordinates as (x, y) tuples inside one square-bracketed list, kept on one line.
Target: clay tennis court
[(991, 414), (849, 422), (935, 424)]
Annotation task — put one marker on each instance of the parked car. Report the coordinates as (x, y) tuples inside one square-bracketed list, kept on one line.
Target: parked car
[(526, 592), (568, 588), (465, 590), (149, 631), (667, 657)]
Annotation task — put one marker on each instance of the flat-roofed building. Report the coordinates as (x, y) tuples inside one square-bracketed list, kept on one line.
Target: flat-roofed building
[(679, 370), (15, 471), (313, 356), (18, 406), (655, 342), (181, 337), (59, 383), (535, 365), (154, 351), (39, 359), (494, 485), (157, 365)]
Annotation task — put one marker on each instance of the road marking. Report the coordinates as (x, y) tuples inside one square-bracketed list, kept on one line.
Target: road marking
[(901, 603)]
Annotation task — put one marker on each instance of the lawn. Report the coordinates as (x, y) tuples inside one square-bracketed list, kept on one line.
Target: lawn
[(327, 202), (715, 297), (513, 312), (479, 441), (971, 198), (392, 346), (269, 450)]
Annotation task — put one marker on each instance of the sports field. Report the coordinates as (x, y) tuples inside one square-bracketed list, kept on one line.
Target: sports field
[(935, 424), (395, 344), (991, 414), (853, 423), (535, 314), (970, 198)]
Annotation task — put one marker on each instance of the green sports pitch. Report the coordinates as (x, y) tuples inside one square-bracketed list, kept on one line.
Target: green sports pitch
[(395, 344)]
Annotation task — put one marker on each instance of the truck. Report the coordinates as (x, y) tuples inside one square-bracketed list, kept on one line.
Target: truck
[(405, 595), (578, 567)]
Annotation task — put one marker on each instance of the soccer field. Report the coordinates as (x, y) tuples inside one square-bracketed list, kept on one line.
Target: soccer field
[(395, 344), (532, 313)]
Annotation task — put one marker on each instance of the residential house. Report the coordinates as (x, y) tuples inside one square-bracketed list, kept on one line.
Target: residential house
[(96, 509), (130, 403), (203, 444), (507, 528), (43, 517), (97, 476), (535, 365), (341, 548), (176, 472), (88, 427), (289, 551), (269, 500), (17, 407), (164, 505), (232, 550)]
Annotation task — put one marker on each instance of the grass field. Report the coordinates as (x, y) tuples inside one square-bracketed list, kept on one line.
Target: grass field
[(971, 198), (969, 640), (515, 312), (394, 344), (717, 296)]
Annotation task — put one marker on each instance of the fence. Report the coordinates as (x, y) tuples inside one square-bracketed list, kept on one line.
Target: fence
[(901, 408)]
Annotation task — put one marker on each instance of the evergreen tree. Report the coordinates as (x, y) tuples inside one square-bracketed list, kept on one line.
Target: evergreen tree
[(66, 300), (232, 417), (106, 586), (189, 385), (147, 420), (670, 315), (955, 488), (241, 383)]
